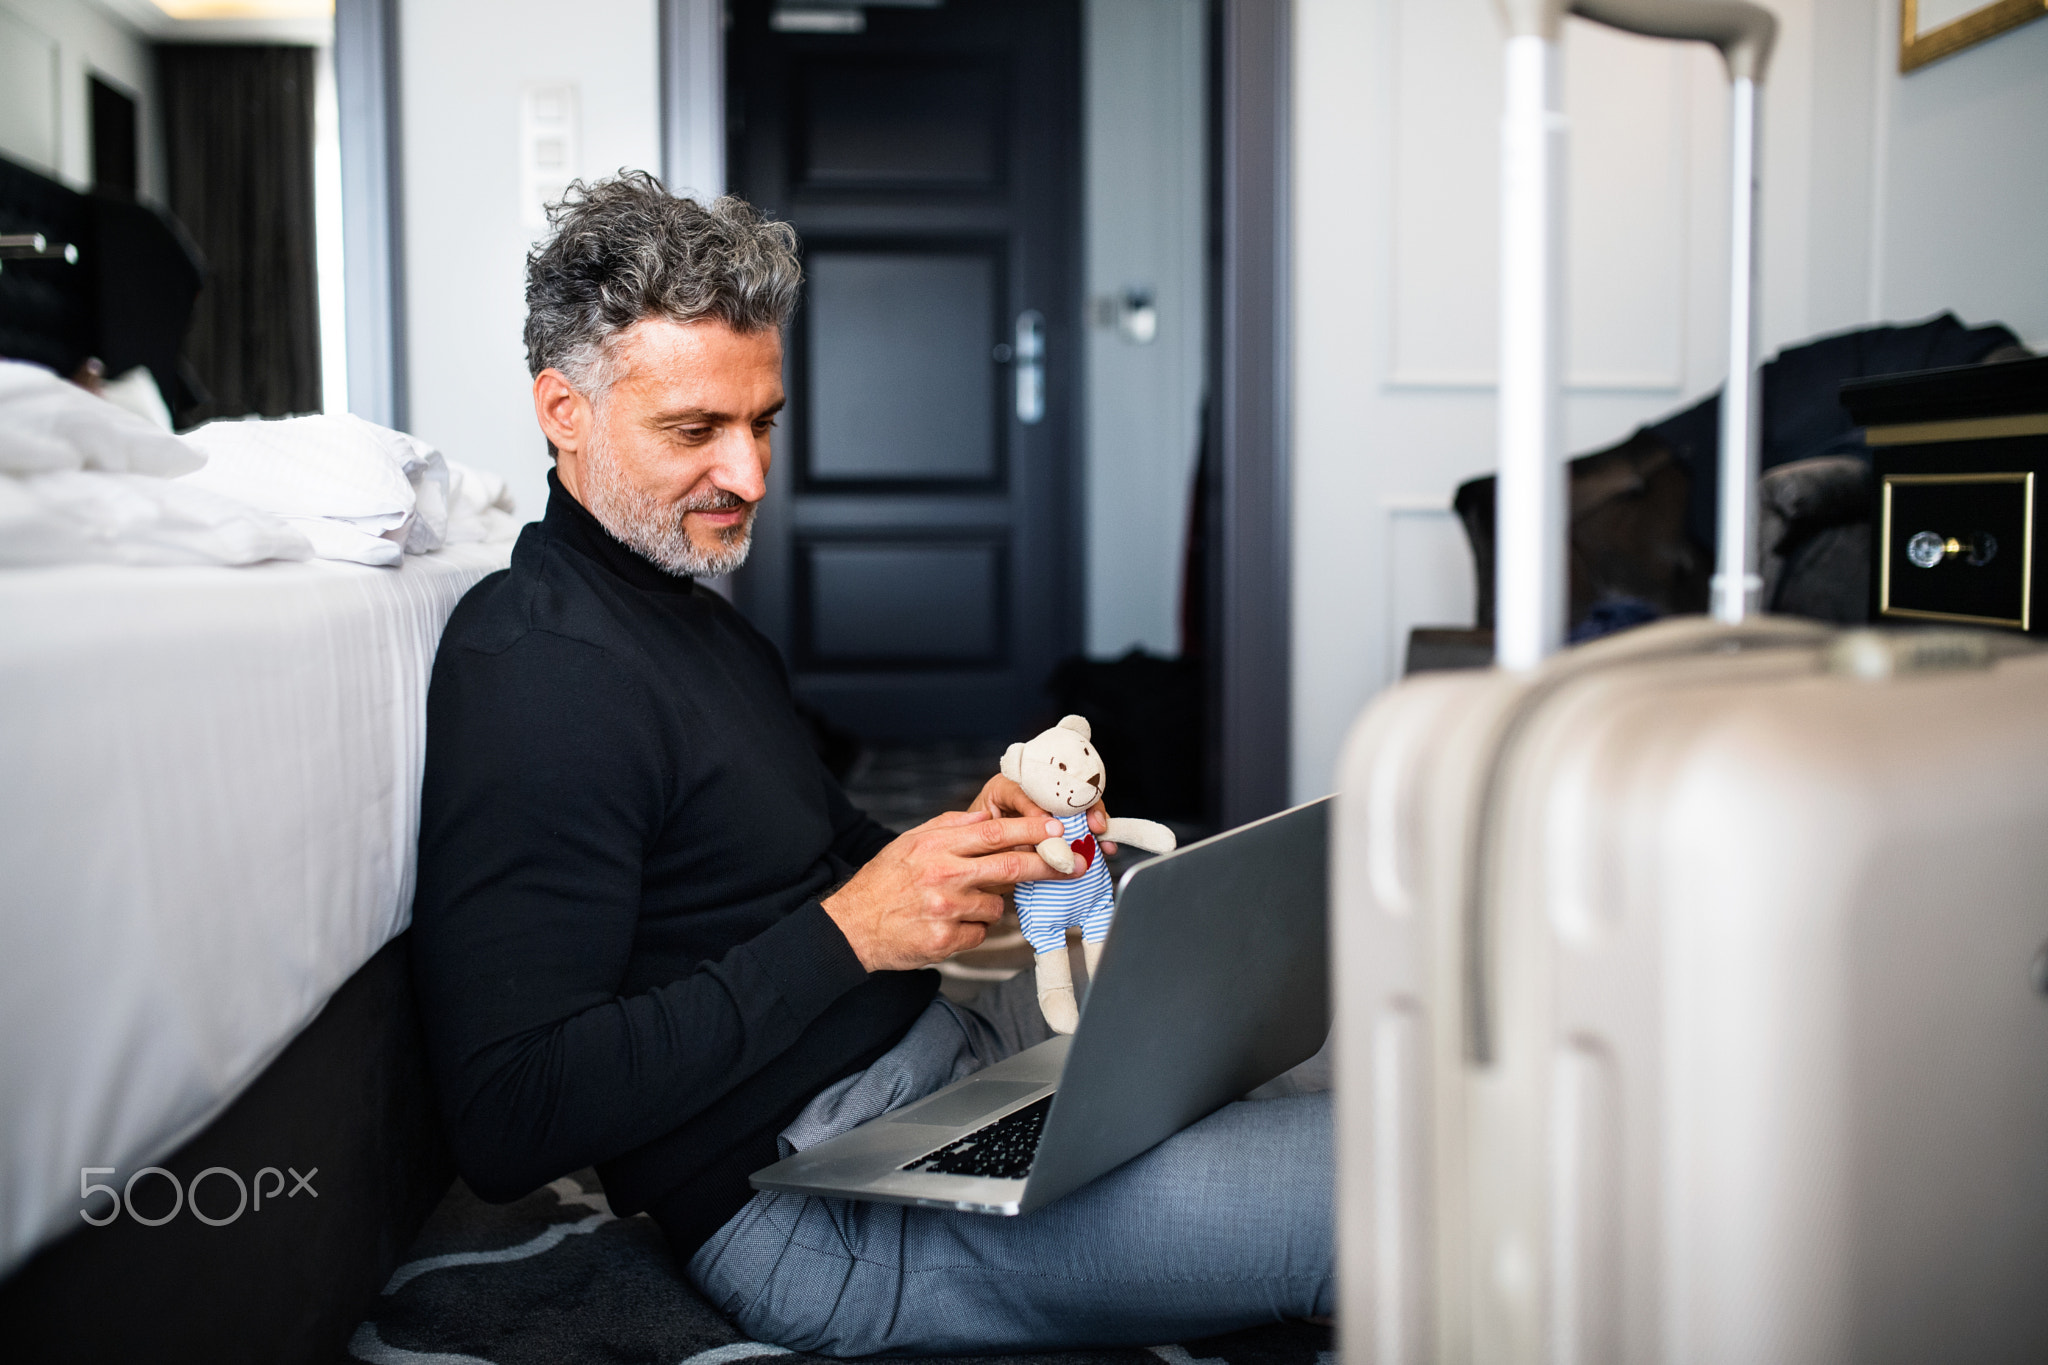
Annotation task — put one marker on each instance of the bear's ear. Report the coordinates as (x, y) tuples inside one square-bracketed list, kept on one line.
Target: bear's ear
[(1013, 763), (1078, 724)]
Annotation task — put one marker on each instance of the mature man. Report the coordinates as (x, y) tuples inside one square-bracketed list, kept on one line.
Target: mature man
[(652, 934)]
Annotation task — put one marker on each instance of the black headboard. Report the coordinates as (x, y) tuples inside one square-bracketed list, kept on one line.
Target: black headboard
[(127, 298), (48, 308)]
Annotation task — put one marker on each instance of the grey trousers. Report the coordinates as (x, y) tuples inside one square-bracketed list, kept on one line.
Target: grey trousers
[(1225, 1225)]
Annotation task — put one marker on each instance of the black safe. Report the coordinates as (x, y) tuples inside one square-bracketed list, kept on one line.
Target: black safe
[(1958, 455)]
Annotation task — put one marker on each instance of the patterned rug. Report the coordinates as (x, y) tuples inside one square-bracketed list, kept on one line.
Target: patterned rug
[(556, 1279), (907, 784)]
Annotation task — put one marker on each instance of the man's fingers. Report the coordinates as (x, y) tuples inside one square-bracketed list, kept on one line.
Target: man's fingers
[(1015, 832), (954, 819), (1004, 797), (1098, 821), (984, 909), (1007, 869)]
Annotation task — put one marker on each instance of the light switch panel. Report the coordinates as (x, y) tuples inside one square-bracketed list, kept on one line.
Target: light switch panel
[(548, 150)]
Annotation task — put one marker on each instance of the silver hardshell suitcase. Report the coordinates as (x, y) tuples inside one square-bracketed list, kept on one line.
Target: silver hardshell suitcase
[(1692, 985)]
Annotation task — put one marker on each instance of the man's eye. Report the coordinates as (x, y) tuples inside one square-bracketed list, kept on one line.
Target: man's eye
[(693, 435)]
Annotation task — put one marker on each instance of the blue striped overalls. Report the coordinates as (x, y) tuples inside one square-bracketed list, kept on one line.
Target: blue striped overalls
[(1046, 908)]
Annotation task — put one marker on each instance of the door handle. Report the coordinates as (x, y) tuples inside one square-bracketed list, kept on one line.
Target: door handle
[(1029, 355)]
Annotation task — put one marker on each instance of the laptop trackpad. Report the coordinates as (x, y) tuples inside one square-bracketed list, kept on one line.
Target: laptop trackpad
[(970, 1101)]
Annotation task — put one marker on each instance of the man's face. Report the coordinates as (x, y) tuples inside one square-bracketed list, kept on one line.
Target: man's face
[(674, 456)]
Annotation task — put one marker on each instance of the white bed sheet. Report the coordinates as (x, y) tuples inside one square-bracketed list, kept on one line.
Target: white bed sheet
[(209, 801)]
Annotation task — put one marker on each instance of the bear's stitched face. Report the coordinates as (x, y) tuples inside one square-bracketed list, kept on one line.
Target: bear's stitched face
[(1062, 772)]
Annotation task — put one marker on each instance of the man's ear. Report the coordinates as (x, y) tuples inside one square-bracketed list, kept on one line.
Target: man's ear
[(562, 412), (1013, 763), (1078, 724)]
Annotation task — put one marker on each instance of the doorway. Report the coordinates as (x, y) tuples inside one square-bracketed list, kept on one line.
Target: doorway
[(917, 559)]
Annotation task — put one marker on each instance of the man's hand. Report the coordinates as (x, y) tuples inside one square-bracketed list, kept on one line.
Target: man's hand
[(934, 891), (1003, 797)]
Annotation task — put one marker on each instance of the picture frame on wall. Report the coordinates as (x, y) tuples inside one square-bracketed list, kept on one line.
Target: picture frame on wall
[(1932, 29)]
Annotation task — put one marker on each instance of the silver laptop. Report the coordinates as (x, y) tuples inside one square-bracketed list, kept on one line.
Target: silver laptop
[(1215, 980)]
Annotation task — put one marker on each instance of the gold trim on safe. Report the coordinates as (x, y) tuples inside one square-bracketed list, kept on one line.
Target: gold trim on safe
[(1959, 429), (1884, 560)]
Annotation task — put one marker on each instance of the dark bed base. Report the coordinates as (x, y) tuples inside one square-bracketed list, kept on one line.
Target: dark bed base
[(350, 1096)]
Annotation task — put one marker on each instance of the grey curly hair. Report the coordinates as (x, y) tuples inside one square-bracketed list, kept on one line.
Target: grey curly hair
[(624, 249)]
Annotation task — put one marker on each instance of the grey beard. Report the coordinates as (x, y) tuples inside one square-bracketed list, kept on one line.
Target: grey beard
[(655, 529)]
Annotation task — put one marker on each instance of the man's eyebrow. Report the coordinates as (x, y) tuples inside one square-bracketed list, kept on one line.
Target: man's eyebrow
[(679, 416)]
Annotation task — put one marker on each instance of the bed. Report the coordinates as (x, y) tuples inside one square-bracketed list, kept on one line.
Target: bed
[(207, 828)]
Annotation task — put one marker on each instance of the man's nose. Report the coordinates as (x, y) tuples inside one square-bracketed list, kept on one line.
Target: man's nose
[(741, 469)]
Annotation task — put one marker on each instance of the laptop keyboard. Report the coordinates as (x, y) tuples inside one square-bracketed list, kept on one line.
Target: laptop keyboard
[(1001, 1150)]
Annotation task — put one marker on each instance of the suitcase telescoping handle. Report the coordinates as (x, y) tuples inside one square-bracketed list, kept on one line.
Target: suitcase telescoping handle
[(1530, 587), (1744, 32)]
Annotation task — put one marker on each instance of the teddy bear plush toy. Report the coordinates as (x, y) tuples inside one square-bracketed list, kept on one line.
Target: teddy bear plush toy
[(1062, 772)]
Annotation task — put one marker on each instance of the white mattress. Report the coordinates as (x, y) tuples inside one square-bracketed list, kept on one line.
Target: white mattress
[(209, 798)]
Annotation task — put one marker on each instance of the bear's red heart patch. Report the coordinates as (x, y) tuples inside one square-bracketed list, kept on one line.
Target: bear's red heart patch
[(1085, 847)]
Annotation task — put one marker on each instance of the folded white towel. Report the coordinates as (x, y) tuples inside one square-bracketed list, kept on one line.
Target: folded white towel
[(480, 507), (356, 490), (74, 516), (136, 391), (47, 424)]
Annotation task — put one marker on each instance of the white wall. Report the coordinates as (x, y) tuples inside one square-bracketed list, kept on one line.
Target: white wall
[(1964, 184), (464, 66), (1930, 187), (47, 50), (1396, 106), (1143, 116)]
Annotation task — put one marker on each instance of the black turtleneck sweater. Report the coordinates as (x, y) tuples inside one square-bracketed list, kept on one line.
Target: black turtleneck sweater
[(619, 950)]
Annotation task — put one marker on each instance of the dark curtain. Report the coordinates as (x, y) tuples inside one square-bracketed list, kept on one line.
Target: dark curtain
[(238, 133)]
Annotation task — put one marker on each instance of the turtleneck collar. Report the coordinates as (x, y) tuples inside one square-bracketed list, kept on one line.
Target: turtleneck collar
[(571, 523)]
